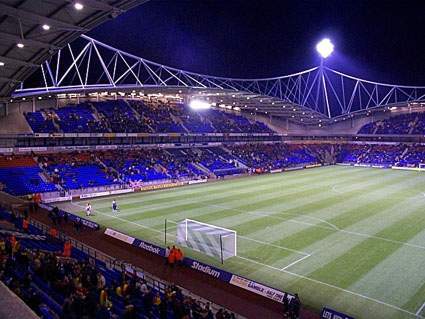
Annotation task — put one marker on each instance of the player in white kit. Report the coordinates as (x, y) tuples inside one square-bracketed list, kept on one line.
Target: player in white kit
[(88, 209)]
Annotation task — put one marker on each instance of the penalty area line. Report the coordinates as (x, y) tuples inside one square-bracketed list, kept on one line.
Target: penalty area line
[(284, 270), (383, 303), (420, 310), (296, 262), (161, 232)]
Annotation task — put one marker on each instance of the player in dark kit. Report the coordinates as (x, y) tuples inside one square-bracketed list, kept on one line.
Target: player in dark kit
[(115, 208)]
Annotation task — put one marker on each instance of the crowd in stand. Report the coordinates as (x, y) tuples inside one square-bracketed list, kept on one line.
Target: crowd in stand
[(137, 116), (147, 164), (375, 154), (216, 161), (410, 123), (267, 157), (77, 170), (158, 117), (48, 276), (120, 167)]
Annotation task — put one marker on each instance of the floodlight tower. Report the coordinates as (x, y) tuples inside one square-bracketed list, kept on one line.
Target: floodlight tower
[(325, 47)]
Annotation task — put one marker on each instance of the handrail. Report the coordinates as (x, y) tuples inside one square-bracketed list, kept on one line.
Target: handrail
[(115, 264)]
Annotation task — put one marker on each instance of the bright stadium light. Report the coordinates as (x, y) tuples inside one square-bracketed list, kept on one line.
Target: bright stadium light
[(325, 48), (78, 6), (199, 105)]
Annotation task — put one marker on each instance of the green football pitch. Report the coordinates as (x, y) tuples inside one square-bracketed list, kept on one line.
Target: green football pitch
[(346, 237)]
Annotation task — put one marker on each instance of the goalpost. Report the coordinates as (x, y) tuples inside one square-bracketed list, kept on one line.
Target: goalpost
[(211, 240)]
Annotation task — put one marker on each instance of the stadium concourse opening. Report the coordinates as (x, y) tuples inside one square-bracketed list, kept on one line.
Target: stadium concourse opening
[(132, 189)]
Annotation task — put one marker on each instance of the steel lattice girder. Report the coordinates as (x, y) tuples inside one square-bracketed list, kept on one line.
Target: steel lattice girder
[(91, 64)]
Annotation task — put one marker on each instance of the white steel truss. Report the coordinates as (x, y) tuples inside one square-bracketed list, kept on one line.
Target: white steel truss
[(91, 64)]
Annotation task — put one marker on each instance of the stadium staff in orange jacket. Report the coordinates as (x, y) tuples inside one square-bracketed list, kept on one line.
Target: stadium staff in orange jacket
[(179, 256), (172, 256), (25, 225), (53, 232), (67, 247)]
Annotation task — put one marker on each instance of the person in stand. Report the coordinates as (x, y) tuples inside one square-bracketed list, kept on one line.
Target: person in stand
[(25, 225), (67, 248), (77, 225), (179, 256), (53, 233), (36, 201), (172, 256), (57, 215), (167, 253), (88, 209), (294, 307), (65, 217)]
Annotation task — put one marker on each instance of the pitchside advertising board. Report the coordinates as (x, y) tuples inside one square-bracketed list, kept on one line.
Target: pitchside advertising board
[(74, 218), (328, 313), (211, 271)]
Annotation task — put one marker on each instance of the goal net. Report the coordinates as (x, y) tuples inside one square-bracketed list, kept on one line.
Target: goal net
[(209, 239)]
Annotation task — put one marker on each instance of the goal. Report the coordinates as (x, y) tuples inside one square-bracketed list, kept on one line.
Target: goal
[(211, 240)]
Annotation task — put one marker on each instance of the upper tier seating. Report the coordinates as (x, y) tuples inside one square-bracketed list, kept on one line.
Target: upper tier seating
[(40, 123), (412, 123), (136, 116), (120, 117), (156, 118), (78, 119)]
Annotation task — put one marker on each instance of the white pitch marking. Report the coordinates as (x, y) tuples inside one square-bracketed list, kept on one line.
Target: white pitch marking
[(276, 246), (335, 190), (420, 309), (296, 262), (273, 215), (270, 214), (161, 232), (335, 287), (122, 219), (282, 270)]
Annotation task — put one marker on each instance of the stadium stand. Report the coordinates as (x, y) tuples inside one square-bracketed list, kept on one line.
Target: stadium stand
[(79, 119), (403, 124), (53, 284), (20, 175), (266, 157), (40, 122), (76, 170), (122, 116)]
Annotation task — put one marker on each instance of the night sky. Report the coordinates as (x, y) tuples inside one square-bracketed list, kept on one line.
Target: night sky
[(376, 40)]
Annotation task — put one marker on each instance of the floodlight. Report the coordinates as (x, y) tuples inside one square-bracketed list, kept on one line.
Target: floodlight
[(325, 48), (20, 45), (78, 6), (45, 27), (199, 105)]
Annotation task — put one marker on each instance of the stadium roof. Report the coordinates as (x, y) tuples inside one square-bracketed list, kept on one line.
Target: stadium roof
[(41, 28)]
